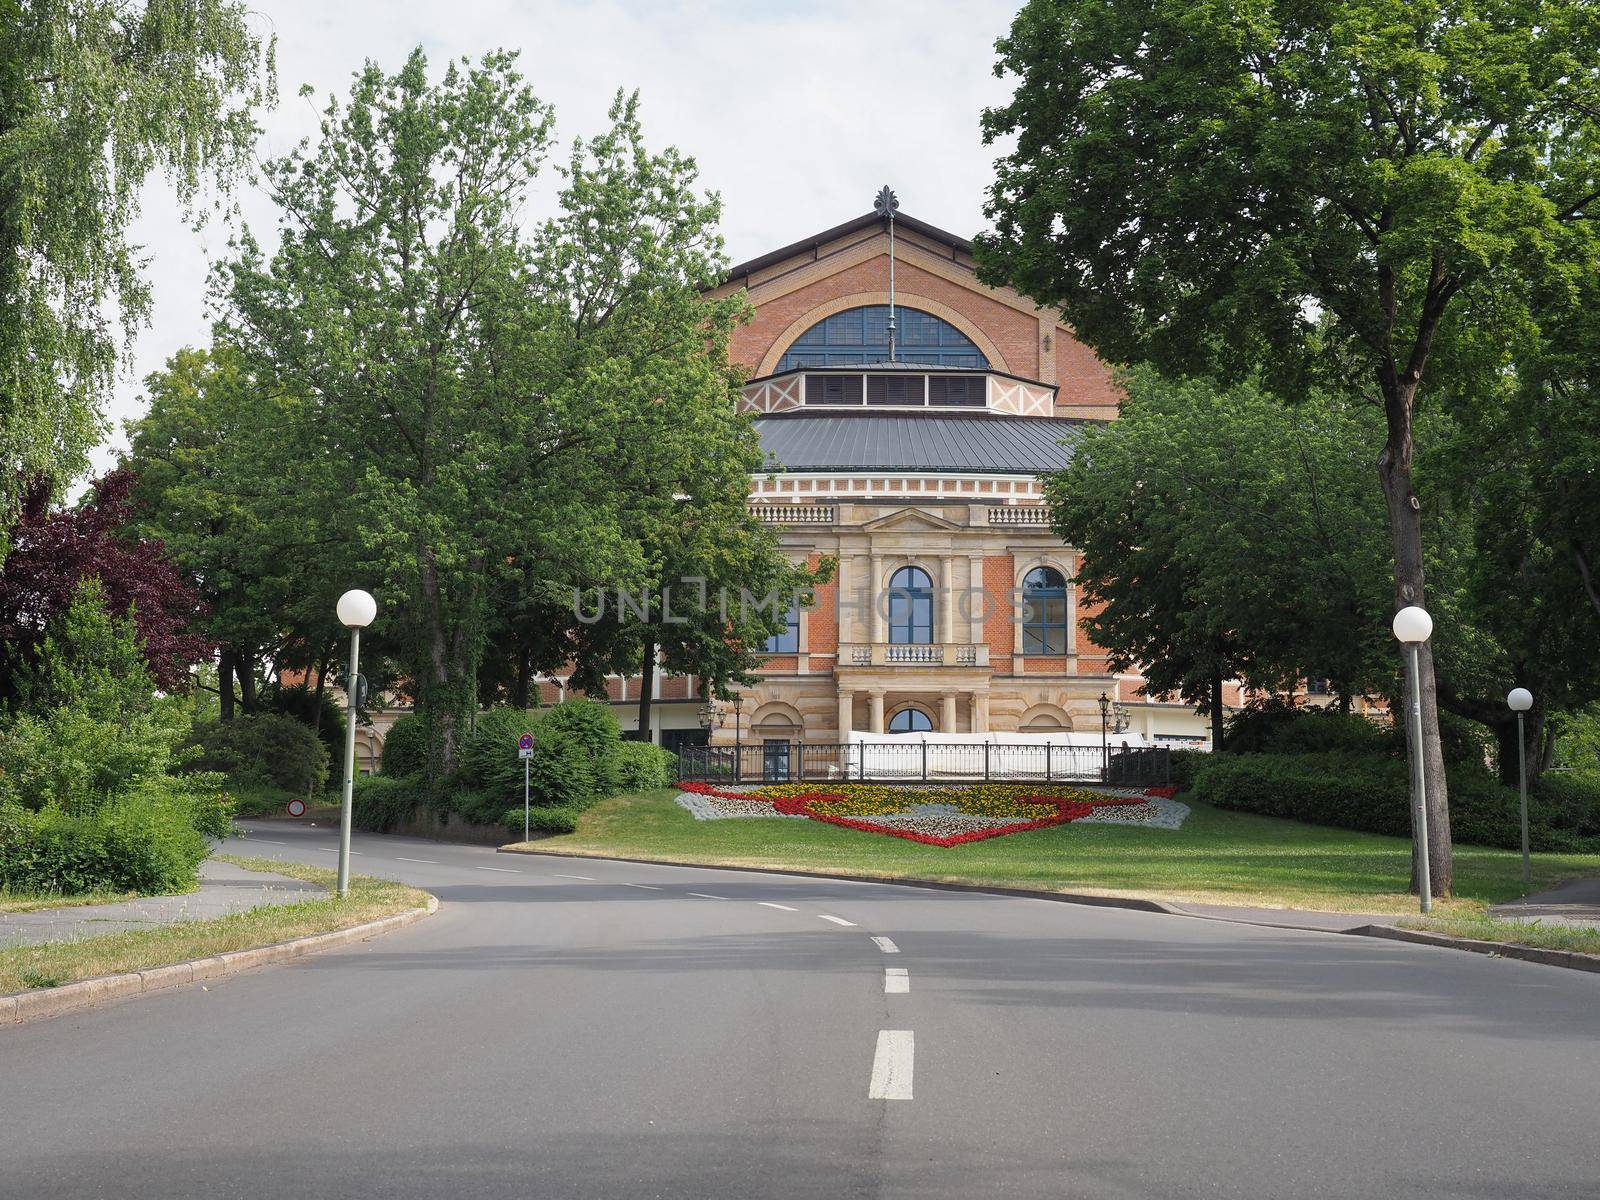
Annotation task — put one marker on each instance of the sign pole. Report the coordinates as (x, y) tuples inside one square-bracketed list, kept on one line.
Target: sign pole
[(525, 799)]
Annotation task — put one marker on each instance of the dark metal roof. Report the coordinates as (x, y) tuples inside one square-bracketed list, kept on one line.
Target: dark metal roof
[(881, 441), (865, 221)]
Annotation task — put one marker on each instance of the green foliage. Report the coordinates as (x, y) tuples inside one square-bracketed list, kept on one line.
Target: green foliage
[(300, 703), (640, 766), (488, 760), (265, 749), (95, 96), (93, 726), (545, 819), (380, 803), (593, 727), (1274, 726), (405, 746), (1372, 793), (563, 770), (148, 841)]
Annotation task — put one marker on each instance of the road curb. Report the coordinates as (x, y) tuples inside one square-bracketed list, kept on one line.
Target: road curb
[(1086, 898), (1570, 959), (49, 1002)]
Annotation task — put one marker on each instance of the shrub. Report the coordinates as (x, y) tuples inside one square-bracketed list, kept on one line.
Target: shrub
[(594, 727), (405, 746), (143, 842), (1372, 793), (488, 760), (561, 772), (382, 802), (300, 702), (1321, 731), (1184, 765), (550, 818), (269, 748), (640, 766), (480, 807)]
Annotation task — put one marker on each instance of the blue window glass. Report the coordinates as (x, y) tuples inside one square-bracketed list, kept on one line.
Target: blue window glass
[(787, 642), (910, 607), (861, 335), (1044, 612), (910, 720)]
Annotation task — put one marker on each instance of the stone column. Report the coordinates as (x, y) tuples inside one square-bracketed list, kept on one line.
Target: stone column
[(947, 718), (877, 710), (980, 712), (874, 598), (947, 600), (847, 704), (976, 606)]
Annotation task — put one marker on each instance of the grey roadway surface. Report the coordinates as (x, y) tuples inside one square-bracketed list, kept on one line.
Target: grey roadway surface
[(617, 1036)]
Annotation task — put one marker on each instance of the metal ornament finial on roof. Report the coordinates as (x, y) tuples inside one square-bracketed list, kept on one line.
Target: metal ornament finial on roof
[(885, 205)]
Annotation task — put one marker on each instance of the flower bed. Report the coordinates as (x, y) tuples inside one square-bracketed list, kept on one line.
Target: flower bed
[(933, 815)]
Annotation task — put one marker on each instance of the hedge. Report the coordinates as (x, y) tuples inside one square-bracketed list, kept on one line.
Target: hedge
[(640, 766), (381, 803), (1371, 793), (269, 748), (405, 746), (593, 726), (550, 818)]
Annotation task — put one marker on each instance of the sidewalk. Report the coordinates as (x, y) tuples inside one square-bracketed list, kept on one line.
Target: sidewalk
[(224, 888), (1575, 902)]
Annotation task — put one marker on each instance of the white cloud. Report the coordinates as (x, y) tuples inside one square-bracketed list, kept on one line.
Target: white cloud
[(796, 113)]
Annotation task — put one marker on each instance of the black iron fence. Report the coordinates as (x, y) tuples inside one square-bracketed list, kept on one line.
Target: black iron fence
[(924, 762)]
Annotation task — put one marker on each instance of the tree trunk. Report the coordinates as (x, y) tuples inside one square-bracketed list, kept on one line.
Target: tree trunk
[(225, 682), (245, 665), (322, 688), (1216, 711), (1405, 530), (647, 679), (521, 688)]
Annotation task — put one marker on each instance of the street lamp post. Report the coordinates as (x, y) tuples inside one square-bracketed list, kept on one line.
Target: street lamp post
[(1105, 743), (1412, 627), (356, 610), (1520, 700), (738, 744)]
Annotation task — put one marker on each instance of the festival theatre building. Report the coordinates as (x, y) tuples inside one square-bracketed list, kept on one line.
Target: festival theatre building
[(916, 466)]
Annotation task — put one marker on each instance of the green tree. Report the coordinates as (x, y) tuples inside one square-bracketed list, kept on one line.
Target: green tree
[(1391, 190), (1224, 536), (94, 96)]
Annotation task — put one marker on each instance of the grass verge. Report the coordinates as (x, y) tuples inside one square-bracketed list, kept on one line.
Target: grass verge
[(1218, 857), (1579, 938), (25, 902), (51, 964)]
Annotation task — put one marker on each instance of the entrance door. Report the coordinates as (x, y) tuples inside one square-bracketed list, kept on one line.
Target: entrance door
[(775, 759)]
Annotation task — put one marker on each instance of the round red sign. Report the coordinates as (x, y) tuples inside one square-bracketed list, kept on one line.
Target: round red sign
[(297, 808)]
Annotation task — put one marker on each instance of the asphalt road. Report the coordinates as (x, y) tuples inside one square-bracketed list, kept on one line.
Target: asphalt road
[(579, 1028)]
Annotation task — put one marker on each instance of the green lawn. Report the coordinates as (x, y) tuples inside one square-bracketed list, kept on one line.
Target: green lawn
[(51, 964), (1217, 857)]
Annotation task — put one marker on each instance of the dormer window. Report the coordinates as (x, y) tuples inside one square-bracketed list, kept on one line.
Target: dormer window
[(858, 336)]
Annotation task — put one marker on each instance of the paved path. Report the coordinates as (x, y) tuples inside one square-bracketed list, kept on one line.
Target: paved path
[(224, 888), (569, 1028), (1575, 902)]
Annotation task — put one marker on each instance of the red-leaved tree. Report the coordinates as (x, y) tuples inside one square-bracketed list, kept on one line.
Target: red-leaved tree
[(52, 551)]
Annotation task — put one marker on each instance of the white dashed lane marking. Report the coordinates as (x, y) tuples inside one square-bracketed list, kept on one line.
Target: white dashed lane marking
[(779, 907), (649, 887), (896, 981), (269, 841), (585, 878), (335, 850), (502, 870), (892, 1065), (837, 920), (886, 945), (704, 896), (432, 861)]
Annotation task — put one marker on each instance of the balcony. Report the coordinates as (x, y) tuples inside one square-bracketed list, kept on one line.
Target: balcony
[(1019, 514), (793, 514), (917, 654), (899, 386)]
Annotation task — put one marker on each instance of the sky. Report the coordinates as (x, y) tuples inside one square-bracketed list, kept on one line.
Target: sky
[(796, 113)]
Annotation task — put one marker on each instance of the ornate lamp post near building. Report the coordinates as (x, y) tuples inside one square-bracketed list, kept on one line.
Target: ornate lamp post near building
[(356, 610), (1105, 743), (714, 715), (1519, 701), (1412, 627)]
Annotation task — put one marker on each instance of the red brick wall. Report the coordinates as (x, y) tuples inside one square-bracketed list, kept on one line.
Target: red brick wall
[(822, 619), (1082, 379), (1091, 658), (999, 572)]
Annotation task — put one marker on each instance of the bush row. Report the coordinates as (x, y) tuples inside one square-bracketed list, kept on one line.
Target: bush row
[(1371, 793), (580, 757)]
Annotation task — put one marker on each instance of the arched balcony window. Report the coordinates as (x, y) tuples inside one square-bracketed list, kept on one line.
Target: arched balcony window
[(1044, 612), (910, 720), (910, 607)]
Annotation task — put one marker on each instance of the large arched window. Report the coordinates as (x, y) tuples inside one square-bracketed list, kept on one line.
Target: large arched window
[(861, 335), (910, 607), (1044, 612), (910, 720)]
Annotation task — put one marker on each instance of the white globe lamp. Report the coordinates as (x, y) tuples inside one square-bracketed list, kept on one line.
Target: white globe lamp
[(1519, 700), (1413, 625), (356, 609)]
